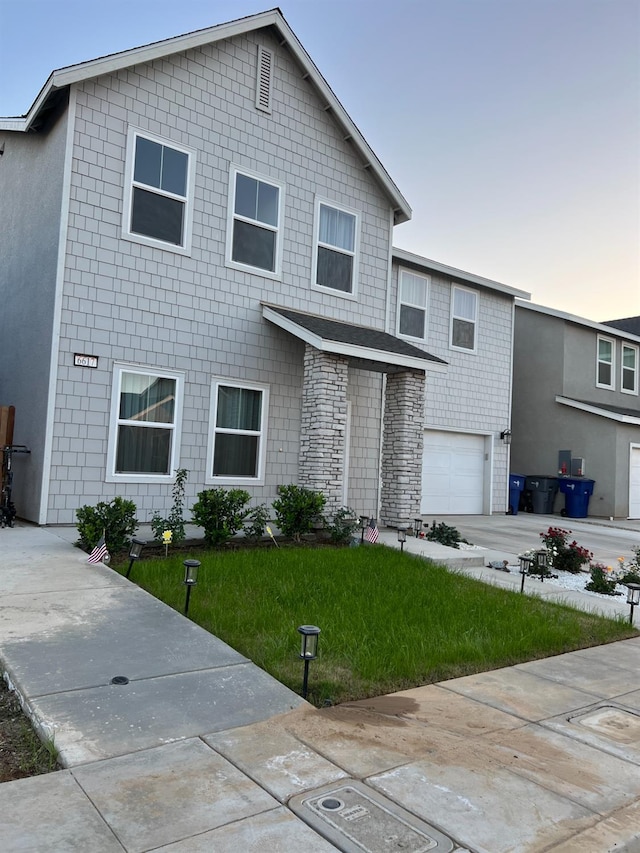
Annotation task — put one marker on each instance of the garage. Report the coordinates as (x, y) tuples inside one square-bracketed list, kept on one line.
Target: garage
[(634, 482), (453, 473)]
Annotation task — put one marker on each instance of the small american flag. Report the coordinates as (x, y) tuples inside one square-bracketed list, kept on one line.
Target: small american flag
[(371, 533), (99, 553)]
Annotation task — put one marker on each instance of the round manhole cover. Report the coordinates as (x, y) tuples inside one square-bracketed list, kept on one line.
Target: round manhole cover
[(119, 679)]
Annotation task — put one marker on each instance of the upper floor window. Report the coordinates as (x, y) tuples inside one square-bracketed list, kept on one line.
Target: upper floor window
[(629, 378), (159, 192), (605, 364), (254, 227), (464, 314), (412, 304), (335, 262), (145, 419), (237, 443)]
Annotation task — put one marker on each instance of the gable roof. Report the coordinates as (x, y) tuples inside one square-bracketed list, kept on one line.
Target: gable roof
[(604, 328), (65, 77), (368, 345)]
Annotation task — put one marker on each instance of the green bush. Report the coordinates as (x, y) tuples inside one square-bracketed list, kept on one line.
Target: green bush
[(116, 519), (256, 522), (174, 522), (221, 513), (445, 535), (601, 581), (344, 523), (297, 509)]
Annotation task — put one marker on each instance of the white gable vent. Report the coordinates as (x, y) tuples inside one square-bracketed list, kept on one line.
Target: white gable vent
[(263, 81)]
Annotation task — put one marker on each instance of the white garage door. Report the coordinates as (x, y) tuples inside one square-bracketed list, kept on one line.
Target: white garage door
[(452, 473), (634, 482)]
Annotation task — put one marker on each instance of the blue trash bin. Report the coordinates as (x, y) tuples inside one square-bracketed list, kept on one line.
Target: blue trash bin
[(516, 485), (576, 491)]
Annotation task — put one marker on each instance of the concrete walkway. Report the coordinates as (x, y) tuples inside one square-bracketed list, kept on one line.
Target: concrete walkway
[(202, 751)]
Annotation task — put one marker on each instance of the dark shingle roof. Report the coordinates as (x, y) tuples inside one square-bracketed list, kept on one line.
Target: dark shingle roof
[(627, 324)]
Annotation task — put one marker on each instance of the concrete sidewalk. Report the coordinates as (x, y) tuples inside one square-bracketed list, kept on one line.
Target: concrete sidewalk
[(201, 750)]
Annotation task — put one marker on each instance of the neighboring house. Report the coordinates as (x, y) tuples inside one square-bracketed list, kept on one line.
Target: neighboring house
[(197, 253), (575, 388)]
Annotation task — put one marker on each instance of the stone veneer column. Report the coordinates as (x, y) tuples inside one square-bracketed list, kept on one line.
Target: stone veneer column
[(402, 447), (323, 425)]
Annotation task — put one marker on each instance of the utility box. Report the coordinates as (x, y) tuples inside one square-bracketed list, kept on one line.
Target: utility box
[(577, 466), (564, 463)]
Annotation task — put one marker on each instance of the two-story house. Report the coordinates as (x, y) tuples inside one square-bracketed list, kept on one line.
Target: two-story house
[(575, 388), (198, 273)]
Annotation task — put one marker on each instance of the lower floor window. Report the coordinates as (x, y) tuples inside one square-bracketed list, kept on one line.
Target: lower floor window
[(146, 412), (238, 440)]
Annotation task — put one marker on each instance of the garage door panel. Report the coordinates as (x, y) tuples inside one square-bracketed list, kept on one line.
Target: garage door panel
[(453, 473), (634, 483)]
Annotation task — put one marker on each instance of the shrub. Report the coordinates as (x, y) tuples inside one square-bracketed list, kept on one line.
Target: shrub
[(565, 556), (116, 519), (629, 572), (221, 513), (257, 520), (344, 523), (297, 509), (601, 580), (175, 522), (445, 535)]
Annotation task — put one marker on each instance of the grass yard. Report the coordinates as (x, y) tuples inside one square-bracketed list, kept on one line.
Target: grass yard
[(389, 620)]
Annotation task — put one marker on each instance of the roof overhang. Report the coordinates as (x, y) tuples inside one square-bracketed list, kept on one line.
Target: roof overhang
[(603, 328), (618, 415), (383, 352), (65, 77)]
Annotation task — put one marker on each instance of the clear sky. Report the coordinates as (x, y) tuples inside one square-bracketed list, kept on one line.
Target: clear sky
[(512, 127)]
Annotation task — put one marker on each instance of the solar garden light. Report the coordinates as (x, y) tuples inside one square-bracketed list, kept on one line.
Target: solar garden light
[(633, 598), (402, 537), (542, 560), (190, 579), (364, 522), (308, 651), (525, 566), (135, 551), (418, 525)]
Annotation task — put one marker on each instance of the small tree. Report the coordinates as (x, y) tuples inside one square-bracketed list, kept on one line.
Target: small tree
[(297, 509), (221, 513), (174, 522), (116, 519)]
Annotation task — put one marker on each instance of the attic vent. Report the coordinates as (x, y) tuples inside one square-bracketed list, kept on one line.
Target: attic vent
[(263, 81)]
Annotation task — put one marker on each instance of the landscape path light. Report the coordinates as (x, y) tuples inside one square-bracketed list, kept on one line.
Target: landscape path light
[(364, 523), (525, 566), (418, 524), (308, 651), (402, 537), (633, 598), (190, 579), (135, 551), (542, 561)]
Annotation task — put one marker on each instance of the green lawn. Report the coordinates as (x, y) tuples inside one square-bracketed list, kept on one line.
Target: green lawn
[(389, 620)]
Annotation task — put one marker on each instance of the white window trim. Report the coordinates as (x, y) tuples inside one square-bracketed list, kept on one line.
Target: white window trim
[(277, 273), (127, 234), (353, 295), (635, 371), (453, 316), (400, 302), (114, 420), (612, 385), (237, 481)]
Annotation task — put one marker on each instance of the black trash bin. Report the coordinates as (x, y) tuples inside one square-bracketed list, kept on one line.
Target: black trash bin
[(516, 485), (543, 492), (576, 491)]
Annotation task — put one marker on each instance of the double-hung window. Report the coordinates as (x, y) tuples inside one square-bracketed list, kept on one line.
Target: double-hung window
[(464, 316), (413, 290), (146, 413), (629, 378), (255, 211), (159, 192), (335, 262), (605, 368), (238, 440)]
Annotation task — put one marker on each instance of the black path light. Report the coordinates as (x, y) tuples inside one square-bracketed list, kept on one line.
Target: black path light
[(633, 598), (364, 523), (190, 579), (308, 651), (542, 561), (525, 566), (418, 524), (402, 537), (135, 552)]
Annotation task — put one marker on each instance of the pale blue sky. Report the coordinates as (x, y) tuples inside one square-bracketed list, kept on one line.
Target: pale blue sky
[(512, 127)]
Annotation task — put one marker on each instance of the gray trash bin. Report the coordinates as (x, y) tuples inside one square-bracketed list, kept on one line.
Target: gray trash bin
[(543, 492)]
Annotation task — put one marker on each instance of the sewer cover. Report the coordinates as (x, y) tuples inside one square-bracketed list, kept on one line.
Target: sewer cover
[(614, 723), (355, 818)]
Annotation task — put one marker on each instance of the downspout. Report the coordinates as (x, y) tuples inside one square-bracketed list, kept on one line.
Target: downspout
[(57, 309)]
